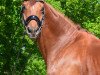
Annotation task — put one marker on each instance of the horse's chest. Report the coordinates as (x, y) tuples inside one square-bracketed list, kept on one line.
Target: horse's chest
[(64, 67)]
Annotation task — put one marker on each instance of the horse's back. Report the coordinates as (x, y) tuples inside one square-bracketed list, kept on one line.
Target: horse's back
[(94, 56), (92, 49)]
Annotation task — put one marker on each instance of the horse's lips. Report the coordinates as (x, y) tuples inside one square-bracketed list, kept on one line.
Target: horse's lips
[(31, 35)]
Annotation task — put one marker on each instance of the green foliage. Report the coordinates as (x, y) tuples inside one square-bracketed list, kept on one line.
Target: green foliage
[(35, 66), (20, 56), (15, 51), (55, 4), (94, 28), (81, 10)]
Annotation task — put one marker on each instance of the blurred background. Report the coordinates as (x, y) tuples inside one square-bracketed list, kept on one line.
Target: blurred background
[(19, 55)]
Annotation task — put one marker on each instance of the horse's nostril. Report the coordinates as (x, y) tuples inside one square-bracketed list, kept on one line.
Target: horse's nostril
[(29, 30)]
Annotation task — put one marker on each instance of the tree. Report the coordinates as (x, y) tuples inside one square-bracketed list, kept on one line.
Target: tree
[(15, 51)]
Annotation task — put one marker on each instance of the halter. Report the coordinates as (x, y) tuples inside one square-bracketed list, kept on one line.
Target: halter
[(33, 17)]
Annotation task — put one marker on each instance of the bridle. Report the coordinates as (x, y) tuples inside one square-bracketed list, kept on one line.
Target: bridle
[(34, 17), (25, 23)]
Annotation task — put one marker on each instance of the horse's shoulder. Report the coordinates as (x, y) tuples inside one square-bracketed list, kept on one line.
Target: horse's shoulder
[(94, 47)]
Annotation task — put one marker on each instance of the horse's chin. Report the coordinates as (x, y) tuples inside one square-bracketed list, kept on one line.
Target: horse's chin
[(32, 35)]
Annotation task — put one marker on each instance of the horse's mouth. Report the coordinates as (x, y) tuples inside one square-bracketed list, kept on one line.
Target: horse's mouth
[(33, 33)]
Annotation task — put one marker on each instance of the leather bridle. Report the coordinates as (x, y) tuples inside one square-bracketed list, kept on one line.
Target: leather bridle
[(33, 17)]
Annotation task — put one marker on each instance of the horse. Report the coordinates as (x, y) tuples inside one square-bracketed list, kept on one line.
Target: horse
[(66, 48)]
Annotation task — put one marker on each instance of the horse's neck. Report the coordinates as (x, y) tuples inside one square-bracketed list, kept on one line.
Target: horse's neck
[(56, 33)]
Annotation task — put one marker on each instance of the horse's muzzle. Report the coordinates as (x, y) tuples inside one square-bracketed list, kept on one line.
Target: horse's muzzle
[(33, 32)]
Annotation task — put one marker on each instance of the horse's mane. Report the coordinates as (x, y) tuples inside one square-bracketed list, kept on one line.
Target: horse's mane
[(55, 12)]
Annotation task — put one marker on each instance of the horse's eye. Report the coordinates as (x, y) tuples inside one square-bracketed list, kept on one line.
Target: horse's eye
[(42, 9), (22, 8)]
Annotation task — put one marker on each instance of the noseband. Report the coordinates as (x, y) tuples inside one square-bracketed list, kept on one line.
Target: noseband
[(33, 17)]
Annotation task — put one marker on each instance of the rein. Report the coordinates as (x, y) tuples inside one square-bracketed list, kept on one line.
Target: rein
[(34, 17)]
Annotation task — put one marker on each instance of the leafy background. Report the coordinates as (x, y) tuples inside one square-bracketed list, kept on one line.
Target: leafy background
[(20, 56)]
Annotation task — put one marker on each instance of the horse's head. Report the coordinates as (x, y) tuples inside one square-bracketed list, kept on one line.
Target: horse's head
[(33, 16)]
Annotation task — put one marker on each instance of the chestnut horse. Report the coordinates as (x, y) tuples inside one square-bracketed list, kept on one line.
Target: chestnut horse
[(66, 49)]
